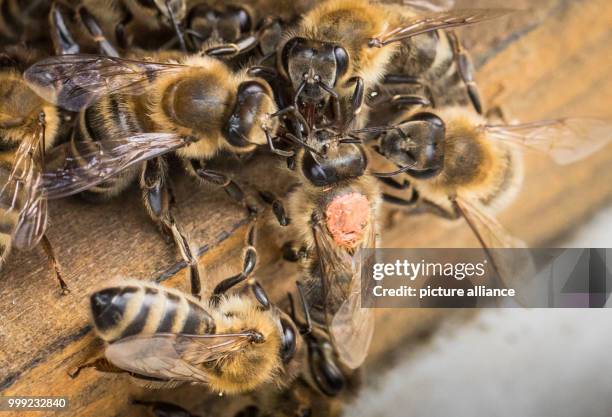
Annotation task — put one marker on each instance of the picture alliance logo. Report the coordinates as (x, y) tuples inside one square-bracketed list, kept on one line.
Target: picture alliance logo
[(423, 269)]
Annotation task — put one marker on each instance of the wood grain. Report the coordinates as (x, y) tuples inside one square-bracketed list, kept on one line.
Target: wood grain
[(550, 61)]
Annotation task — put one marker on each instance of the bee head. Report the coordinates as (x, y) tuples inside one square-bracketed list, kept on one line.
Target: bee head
[(417, 141), (342, 161), (254, 102), (314, 68)]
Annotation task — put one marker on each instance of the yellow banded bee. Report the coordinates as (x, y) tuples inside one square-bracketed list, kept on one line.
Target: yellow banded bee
[(132, 111), (29, 126), (233, 342), (341, 49), (465, 167)]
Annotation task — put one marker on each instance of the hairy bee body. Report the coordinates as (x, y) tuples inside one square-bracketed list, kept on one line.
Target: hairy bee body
[(200, 101), (19, 110), (137, 309), (350, 229), (474, 165)]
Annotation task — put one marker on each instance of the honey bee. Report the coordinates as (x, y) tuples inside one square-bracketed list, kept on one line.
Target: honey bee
[(197, 106), (333, 213), (233, 342), (163, 338), (29, 126), (466, 167), (341, 49)]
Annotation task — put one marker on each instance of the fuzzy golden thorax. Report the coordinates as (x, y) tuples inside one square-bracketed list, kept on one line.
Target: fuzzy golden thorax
[(195, 102), (20, 108), (255, 365), (475, 166), (351, 24)]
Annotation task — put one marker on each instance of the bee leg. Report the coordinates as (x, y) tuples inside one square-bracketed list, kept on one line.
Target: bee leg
[(390, 182), (466, 70), (157, 199), (248, 266), (63, 42), (357, 100), (92, 26), (177, 28), (100, 364), (220, 179), (277, 207), (229, 50), (427, 206), (397, 201), (48, 248)]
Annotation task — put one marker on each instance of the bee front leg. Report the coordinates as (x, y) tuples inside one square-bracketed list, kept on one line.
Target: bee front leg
[(63, 42), (100, 364), (157, 199), (95, 31), (248, 266), (48, 248), (466, 70), (230, 187), (277, 207)]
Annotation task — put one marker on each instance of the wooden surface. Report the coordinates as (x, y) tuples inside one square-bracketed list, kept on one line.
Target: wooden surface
[(551, 61)]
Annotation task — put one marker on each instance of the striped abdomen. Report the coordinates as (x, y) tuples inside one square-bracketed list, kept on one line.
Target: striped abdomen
[(144, 309), (110, 118)]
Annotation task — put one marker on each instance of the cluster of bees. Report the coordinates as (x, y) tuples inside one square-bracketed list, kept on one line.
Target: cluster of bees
[(119, 86)]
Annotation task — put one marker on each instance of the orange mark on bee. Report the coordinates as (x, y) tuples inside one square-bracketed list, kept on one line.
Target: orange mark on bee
[(347, 217)]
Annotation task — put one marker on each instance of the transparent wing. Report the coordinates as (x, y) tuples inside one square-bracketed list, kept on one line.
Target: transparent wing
[(565, 140), (74, 81), (430, 5), (352, 327), (511, 259), (437, 21), (22, 195), (336, 269), (77, 166), (173, 357)]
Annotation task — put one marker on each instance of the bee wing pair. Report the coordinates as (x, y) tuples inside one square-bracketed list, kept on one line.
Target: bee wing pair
[(173, 356), (73, 82), (352, 325), (566, 141), (22, 193), (436, 21)]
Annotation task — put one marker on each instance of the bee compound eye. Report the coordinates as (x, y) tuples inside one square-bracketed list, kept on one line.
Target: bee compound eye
[(342, 61), (289, 341), (287, 51)]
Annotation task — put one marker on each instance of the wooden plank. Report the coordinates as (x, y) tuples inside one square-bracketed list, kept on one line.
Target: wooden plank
[(549, 62)]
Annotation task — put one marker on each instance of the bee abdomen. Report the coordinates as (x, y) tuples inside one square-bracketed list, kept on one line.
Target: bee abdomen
[(130, 310)]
